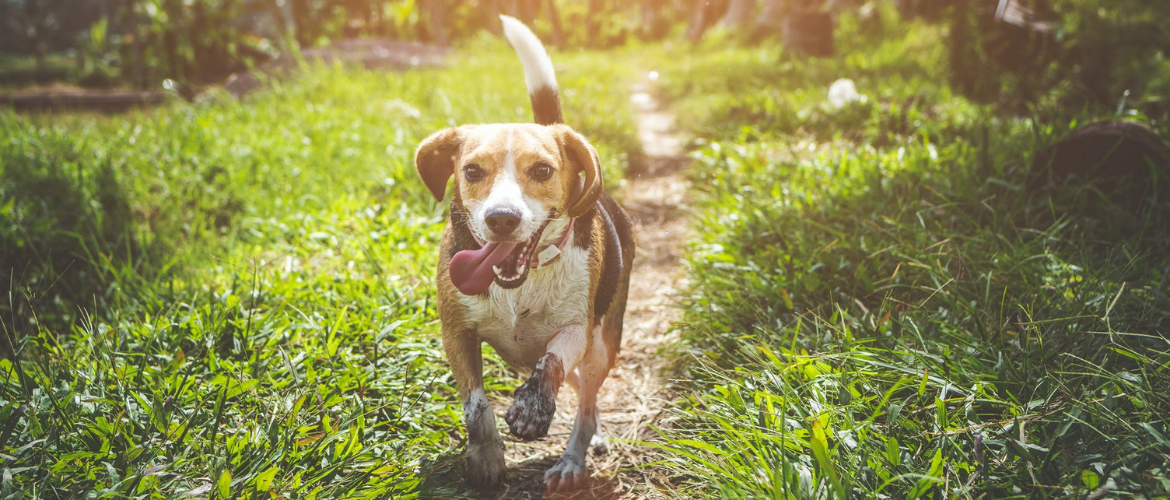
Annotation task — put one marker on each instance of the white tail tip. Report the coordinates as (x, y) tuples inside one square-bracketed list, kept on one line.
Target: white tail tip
[(538, 68)]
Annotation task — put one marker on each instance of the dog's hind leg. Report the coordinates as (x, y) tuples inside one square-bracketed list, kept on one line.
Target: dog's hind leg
[(485, 449), (570, 471)]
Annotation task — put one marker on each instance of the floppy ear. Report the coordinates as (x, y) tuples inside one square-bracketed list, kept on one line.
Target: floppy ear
[(581, 155), (435, 159)]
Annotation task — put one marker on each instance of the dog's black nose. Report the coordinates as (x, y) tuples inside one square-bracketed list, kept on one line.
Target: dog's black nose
[(502, 222)]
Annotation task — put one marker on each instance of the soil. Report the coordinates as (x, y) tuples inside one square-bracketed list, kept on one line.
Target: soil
[(390, 55), (636, 394), (58, 96)]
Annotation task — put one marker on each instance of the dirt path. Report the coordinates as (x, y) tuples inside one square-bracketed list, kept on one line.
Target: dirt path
[(635, 395)]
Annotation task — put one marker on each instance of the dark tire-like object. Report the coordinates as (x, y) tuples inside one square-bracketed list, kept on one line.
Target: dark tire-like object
[(1125, 160)]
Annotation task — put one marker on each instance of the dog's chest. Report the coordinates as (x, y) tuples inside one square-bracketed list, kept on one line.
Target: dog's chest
[(518, 323)]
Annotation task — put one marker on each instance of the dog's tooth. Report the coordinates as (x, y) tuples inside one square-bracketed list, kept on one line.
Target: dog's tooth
[(497, 269)]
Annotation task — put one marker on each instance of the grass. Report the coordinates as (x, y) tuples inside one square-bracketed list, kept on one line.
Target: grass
[(235, 299), (879, 308), (258, 319), (18, 72)]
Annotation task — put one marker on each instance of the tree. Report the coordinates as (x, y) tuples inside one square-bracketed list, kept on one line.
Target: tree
[(35, 24)]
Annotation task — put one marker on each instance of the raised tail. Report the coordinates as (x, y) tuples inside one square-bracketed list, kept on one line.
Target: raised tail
[(538, 72)]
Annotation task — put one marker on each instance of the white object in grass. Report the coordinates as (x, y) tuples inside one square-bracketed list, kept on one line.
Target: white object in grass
[(842, 92)]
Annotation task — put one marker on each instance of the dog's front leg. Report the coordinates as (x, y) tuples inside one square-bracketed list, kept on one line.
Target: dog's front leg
[(536, 401), (485, 449)]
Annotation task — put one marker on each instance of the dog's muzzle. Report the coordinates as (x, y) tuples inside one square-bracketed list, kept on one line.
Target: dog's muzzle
[(506, 264)]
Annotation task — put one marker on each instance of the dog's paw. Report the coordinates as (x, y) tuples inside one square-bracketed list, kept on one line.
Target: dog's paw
[(485, 466), (599, 445), (532, 411), (566, 475)]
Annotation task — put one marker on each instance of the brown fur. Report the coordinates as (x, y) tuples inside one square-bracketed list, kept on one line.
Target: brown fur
[(452, 150)]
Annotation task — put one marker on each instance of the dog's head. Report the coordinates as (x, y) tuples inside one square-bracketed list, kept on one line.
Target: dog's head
[(513, 181)]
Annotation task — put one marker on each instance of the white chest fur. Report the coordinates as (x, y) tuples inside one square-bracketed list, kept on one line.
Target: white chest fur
[(519, 322)]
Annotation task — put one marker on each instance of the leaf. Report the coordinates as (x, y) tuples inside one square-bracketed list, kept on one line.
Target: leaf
[(240, 388), (893, 452), (700, 445), (922, 385), (936, 464), (225, 484), (310, 439), (820, 448), (199, 491), (1153, 432), (787, 298), (296, 409), (1090, 479), (932, 478), (264, 479)]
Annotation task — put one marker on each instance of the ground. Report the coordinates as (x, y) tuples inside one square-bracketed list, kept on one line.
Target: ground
[(634, 398)]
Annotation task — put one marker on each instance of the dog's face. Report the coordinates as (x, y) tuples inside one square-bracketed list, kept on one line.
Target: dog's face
[(512, 179)]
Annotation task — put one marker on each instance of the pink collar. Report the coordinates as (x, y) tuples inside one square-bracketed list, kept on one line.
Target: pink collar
[(560, 245)]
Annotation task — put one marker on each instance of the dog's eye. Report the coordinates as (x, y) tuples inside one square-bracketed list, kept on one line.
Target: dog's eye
[(541, 171), (472, 172)]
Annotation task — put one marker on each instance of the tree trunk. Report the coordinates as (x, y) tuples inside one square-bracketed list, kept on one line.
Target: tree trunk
[(555, 18), (770, 20), (137, 69), (739, 12), (523, 10), (592, 26), (698, 23), (435, 10)]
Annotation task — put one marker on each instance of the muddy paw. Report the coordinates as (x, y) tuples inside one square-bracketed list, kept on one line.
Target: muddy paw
[(532, 411), (568, 474)]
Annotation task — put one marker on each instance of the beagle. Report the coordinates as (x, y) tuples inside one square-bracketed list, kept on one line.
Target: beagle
[(535, 260)]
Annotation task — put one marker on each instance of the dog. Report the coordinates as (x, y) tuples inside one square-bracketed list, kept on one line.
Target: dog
[(535, 260)]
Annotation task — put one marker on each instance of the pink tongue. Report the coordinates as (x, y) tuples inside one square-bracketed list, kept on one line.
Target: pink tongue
[(471, 270)]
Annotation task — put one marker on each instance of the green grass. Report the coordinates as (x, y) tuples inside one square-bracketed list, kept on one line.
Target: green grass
[(235, 299), (258, 317), (18, 72), (879, 308)]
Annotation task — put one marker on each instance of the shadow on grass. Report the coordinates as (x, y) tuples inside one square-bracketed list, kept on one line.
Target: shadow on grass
[(67, 237), (524, 481)]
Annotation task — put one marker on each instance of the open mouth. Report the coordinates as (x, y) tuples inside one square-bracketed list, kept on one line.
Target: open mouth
[(513, 270), (506, 264)]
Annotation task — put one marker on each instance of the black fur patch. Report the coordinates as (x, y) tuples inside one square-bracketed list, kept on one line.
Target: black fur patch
[(536, 401), (583, 229), (546, 106), (619, 235)]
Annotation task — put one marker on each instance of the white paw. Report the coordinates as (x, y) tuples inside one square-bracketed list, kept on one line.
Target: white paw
[(566, 475), (598, 445)]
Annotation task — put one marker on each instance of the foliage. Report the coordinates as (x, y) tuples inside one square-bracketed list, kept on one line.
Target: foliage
[(1093, 52), (285, 343), (879, 308)]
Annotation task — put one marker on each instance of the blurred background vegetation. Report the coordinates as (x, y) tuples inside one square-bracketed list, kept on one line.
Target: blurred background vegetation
[(1082, 51)]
